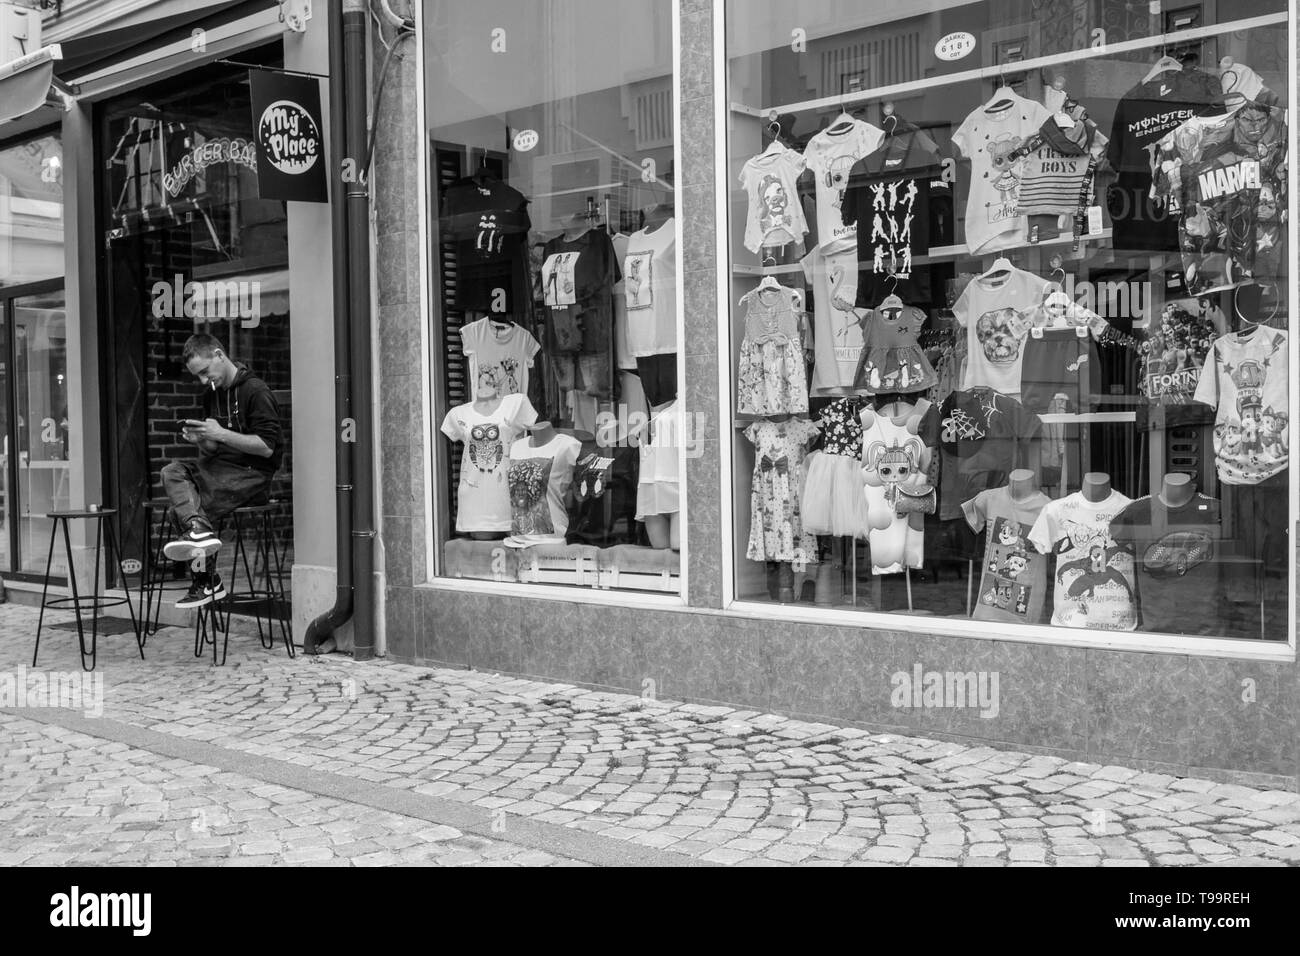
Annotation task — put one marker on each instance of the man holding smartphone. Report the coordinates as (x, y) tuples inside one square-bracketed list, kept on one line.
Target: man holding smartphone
[(240, 448)]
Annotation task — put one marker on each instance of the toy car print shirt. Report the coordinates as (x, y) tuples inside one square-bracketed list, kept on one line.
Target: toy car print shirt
[(539, 477), (488, 431), (1176, 551), (831, 155), (1245, 378), (997, 312), (988, 138), (775, 216), (1226, 179), (1013, 581), (1094, 584)]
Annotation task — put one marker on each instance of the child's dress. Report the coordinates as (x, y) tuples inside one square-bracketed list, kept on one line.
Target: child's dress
[(833, 502), (892, 360), (773, 379), (776, 531), (894, 453)]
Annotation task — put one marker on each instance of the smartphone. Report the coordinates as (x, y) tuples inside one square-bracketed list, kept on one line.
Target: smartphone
[(182, 423)]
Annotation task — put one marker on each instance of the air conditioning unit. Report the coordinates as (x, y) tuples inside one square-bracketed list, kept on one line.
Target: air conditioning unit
[(20, 30)]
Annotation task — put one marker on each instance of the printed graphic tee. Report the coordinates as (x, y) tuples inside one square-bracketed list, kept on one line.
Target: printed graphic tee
[(1245, 379), (1226, 179), (832, 274), (988, 138), (482, 497), (1013, 580), (578, 277), (622, 356), (775, 216), (1142, 117), (831, 155), (1177, 555), (650, 290), (488, 221), (888, 200), (1094, 575), (983, 437), (539, 479), (996, 313), (500, 356)]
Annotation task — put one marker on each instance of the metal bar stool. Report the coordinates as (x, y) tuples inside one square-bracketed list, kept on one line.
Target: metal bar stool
[(269, 554), (94, 602), (154, 577)]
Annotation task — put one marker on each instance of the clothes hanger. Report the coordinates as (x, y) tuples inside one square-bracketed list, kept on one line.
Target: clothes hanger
[(1165, 64), (768, 283), (1000, 265), (1004, 97), (842, 122)]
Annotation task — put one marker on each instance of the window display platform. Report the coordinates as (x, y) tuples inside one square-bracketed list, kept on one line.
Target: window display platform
[(578, 565)]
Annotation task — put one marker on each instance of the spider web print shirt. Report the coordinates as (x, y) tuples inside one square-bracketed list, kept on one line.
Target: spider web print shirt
[(482, 498), (1094, 575)]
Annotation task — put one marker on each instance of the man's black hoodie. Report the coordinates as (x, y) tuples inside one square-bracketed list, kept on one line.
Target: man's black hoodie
[(247, 407)]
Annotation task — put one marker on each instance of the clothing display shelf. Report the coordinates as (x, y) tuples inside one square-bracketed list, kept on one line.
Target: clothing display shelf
[(1020, 66)]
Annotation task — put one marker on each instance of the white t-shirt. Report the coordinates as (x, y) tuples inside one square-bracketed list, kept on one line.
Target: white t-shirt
[(775, 216), (499, 357), (1245, 378), (1094, 575), (830, 155), (987, 139), (997, 313), (650, 290), (539, 478), (622, 357), (832, 272), (482, 497)]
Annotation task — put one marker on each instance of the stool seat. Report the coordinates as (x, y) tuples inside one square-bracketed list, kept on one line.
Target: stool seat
[(101, 513), (255, 509)]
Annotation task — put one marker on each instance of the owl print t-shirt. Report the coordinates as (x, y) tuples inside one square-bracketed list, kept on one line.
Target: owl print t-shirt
[(989, 138), (539, 477), (482, 498), (996, 312), (1013, 582)]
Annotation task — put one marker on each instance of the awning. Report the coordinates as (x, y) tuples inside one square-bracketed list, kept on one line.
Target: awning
[(25, 82)]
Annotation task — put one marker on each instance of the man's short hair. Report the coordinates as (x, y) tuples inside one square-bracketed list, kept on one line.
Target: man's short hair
[(200, 343)]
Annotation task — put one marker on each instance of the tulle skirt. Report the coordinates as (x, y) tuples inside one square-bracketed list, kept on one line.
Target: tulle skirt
[(833, 502)]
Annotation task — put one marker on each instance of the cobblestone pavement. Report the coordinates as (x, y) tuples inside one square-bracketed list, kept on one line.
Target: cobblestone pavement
[(327, 761)]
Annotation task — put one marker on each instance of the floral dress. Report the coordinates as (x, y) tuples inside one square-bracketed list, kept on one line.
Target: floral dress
[(833, 499), (776, 526), (773, 379)]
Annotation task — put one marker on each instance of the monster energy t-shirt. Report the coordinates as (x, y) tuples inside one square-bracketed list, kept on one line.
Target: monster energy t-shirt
[(539, 478), (482, 498), (1176, 553), (1094, 575), (1013, 581)]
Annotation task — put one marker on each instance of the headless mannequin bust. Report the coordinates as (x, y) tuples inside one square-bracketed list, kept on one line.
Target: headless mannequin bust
[(1176, 490), (1021, 483), (540, 434), (656, 216), (1096, 486)]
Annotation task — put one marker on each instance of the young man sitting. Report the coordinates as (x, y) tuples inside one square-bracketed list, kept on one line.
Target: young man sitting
[(240, 448)]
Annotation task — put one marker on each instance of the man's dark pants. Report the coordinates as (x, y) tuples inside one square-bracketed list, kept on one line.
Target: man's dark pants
[(211, 489)]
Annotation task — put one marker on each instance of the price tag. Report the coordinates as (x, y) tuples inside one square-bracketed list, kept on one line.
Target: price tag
[(1094, 220)]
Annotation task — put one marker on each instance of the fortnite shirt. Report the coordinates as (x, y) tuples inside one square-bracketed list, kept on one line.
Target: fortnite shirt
[(996, 314), (1013, 582), (988, 140), (983, 436), (1176, 553), (482, 498), (1142, 117), (1226, 179), (831, 155), (489, 223), (539, 478), (1245, 378), (1094, 575)]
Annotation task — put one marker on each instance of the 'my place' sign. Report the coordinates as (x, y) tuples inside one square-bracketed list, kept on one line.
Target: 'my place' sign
[(287, 136)]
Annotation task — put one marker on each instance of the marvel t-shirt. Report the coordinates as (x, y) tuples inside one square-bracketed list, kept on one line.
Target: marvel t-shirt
[(1176, 551), (482, 498), (489, 223), (1013, 580), (1245, 379), (997, 312), (1094, 584), (539, 477), (983, 437)]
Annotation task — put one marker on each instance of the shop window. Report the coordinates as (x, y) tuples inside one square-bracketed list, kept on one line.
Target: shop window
[(1010, 313), (31, 211), (559, 434)]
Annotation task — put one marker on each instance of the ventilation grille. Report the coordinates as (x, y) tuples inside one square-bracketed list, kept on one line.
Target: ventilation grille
[(868, 63), (652, 114)]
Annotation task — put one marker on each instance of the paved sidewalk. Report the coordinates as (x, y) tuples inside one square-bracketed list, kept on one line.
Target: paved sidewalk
[(327, 761)]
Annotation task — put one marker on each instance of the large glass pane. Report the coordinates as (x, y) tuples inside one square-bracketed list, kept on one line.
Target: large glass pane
[(555, 291), (31, 211), (1010, 311), (41, 389)]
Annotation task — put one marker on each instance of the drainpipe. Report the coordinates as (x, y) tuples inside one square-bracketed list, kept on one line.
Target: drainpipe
[(356, 108), (327, 623)]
